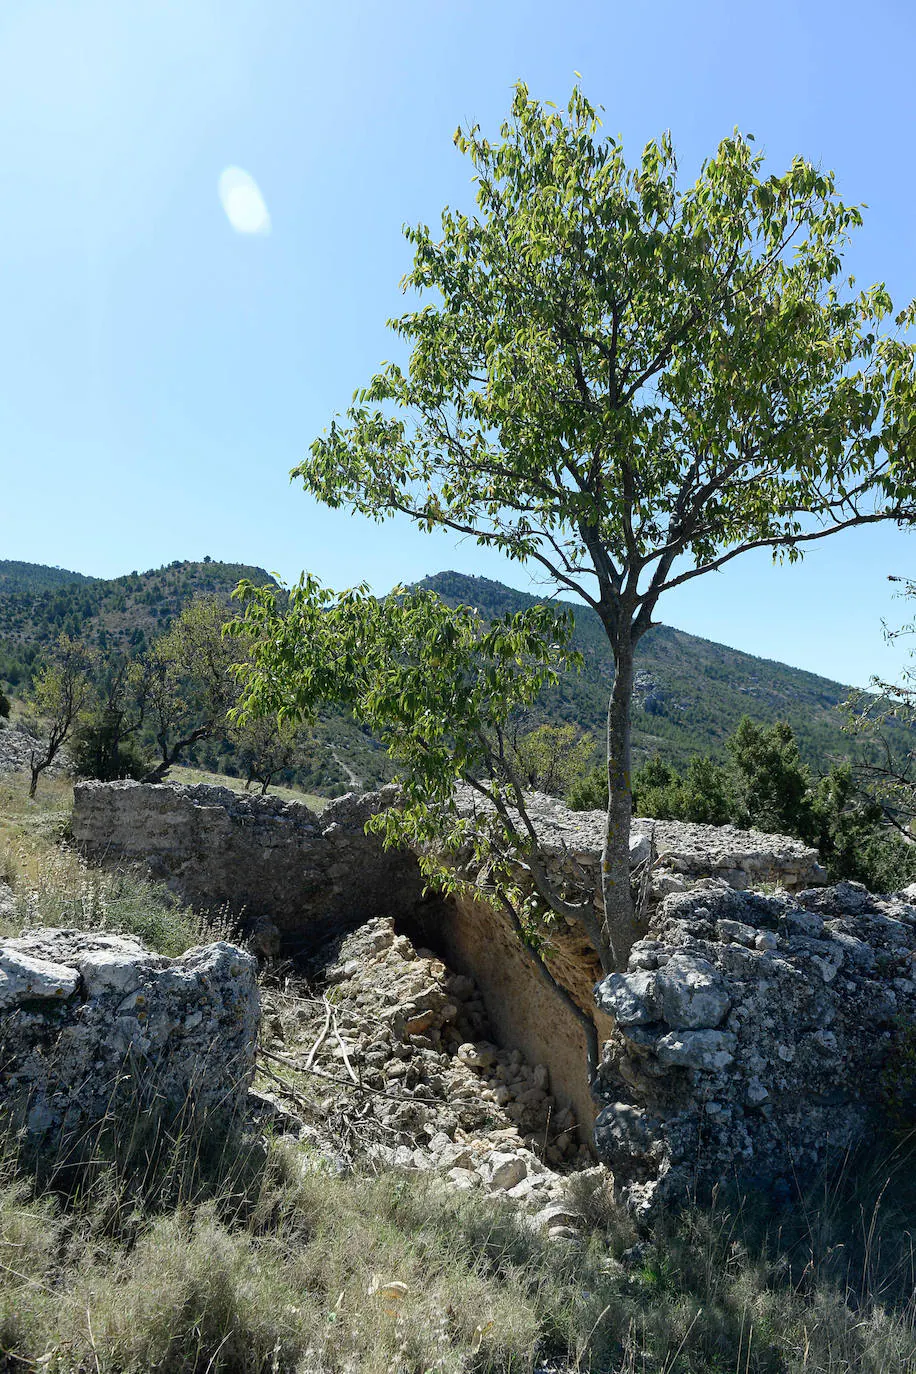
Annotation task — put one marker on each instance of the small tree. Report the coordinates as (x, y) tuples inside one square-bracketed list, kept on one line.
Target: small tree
[(186, 681), (264, 746), (884, 719), (441, 689), (770, 784), (551, 757), (106, 740), (628, 384), (61, 691)]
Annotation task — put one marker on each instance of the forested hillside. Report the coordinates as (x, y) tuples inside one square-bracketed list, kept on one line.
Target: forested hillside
[(124, 613), (690, 693), (121, 617)]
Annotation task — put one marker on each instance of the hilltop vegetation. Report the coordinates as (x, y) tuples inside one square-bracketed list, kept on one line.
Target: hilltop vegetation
[(120, 614), (121, 618)]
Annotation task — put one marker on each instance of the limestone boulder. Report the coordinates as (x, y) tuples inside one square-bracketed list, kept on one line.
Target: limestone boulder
[(752, 1038), (90, 1020)]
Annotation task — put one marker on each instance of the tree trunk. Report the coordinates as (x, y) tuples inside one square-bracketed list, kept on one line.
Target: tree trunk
[(619, 911)]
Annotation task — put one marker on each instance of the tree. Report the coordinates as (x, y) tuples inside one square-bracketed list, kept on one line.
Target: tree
[(106, 741), (186, 681), (705, 794), (551, 757), (61, 691), (770, 784), (629, 383), (264, 746), (884, 718), (442, 690)]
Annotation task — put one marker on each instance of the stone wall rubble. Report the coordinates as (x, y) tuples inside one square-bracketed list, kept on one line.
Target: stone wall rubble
[(751, 1038), (17, 746), (438, 1095), (90, 1021), (746, 1042), (571, 841)]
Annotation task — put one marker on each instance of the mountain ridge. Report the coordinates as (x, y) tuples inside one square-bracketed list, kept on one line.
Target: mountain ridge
[(690, 692)]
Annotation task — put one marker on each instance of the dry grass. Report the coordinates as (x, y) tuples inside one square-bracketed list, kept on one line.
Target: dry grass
[(53, 886), (199, 775), (269, 1261), (29, 829)]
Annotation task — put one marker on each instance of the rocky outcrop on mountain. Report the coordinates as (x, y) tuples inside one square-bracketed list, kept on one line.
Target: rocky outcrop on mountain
[(755, 1038), (92, 1022), (17, 747)]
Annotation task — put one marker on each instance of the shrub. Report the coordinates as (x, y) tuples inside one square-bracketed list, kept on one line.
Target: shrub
[(763, 784)]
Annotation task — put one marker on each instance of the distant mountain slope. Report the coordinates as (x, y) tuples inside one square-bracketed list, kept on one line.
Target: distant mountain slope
[(125, 614), (36, 577), (690, 692), (38, 603)]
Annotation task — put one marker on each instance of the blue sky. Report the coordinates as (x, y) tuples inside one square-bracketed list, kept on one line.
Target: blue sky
[(160, 373)]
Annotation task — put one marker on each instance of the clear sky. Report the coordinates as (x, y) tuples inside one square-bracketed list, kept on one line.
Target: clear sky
[(160, 372)]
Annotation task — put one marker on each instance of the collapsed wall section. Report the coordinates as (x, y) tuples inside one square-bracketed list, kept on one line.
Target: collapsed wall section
[(93, 1024), (476, 940), (747, 1035)]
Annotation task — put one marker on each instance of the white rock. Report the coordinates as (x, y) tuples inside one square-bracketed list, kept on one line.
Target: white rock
[(23, 977), (503, 1171), (708, 1050), (556, 1216), (640, 849), (463, 1179)]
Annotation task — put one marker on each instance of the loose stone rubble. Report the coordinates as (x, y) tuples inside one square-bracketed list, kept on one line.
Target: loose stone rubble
[(90, 1021), (437, 1093), (753, 1038), (17, 747)]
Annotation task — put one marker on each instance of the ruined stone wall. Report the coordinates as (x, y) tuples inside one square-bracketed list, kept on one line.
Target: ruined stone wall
[(314, 874), (479, 941), (754, 1038), (570, 844), (259, 856)]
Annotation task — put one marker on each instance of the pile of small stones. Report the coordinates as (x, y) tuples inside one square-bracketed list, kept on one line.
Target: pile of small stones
[(17, 747), (403, 1049)]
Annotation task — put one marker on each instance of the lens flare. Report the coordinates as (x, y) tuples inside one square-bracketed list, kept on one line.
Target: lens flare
[(243, 203)]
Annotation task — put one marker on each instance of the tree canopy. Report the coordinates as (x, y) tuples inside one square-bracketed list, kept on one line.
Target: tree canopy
[(628, 382)]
